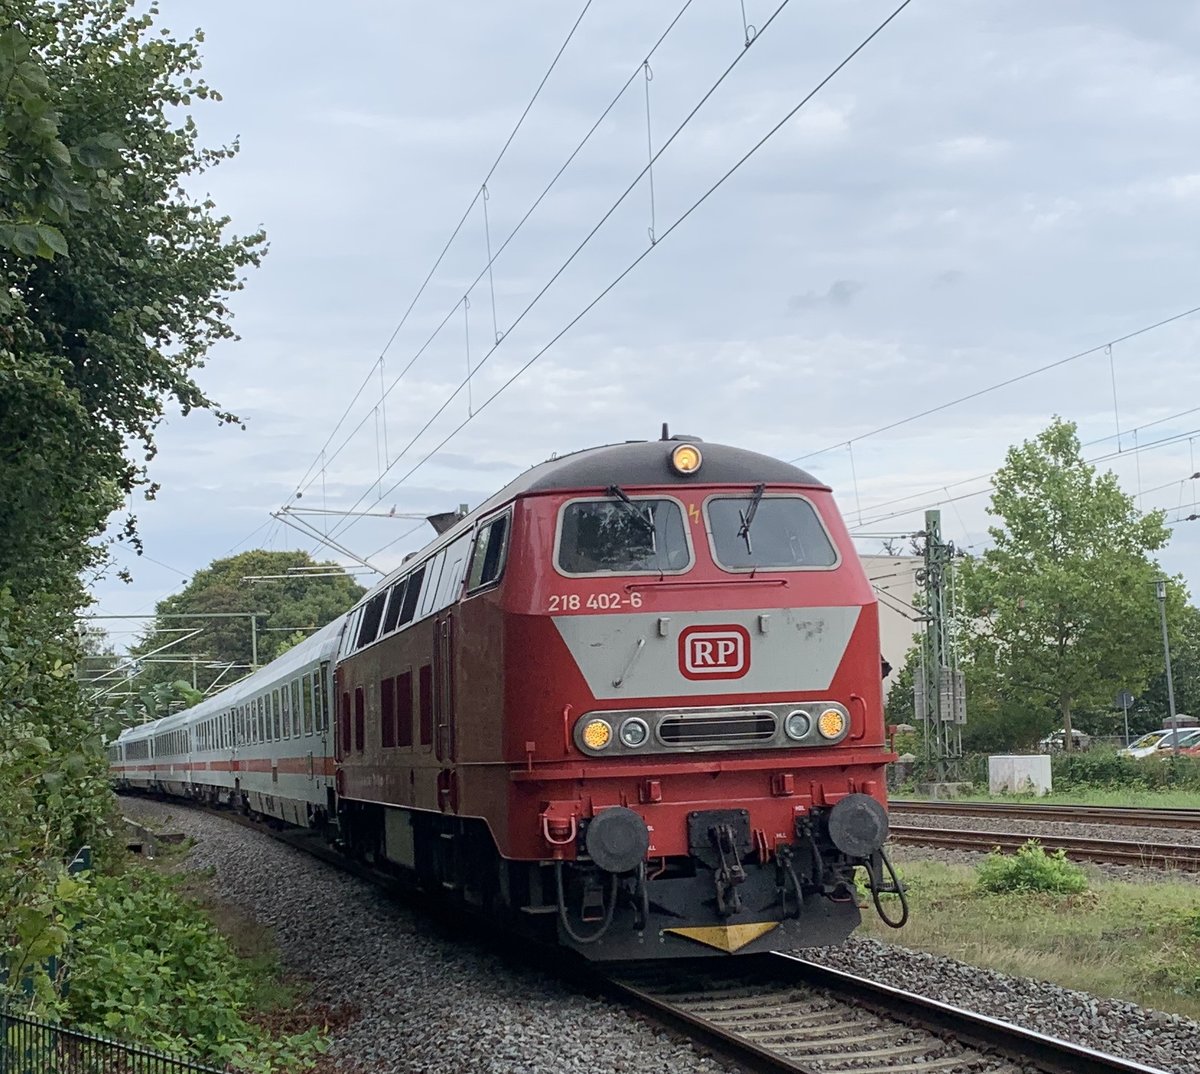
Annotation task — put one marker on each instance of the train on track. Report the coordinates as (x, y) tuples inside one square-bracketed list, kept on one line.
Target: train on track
[(632, 702)]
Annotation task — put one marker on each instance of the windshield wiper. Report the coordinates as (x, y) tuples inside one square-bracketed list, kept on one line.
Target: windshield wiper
[(619, 493), (747, 517)]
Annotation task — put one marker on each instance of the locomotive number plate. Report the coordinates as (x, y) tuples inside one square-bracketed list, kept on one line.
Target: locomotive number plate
[(602, 602)]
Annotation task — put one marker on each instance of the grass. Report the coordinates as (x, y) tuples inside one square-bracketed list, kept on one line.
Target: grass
[(1137, 942), (1100, 796)]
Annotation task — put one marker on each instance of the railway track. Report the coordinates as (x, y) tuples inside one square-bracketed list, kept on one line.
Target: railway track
[(780, 1013), (783, 1013), (1128, 816), (1110, 851)]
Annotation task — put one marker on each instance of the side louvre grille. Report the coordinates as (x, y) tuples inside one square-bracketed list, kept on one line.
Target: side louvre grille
[(717, 728)]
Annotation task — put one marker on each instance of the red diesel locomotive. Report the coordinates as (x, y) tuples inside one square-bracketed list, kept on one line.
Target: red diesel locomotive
[(633, 698)]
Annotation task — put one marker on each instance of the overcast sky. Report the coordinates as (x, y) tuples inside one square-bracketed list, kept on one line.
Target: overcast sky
[(987, 188)]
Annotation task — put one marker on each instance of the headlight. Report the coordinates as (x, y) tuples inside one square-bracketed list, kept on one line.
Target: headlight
[(597, 734), (831, 723), (686, 459), (797, 725), (634, 732)]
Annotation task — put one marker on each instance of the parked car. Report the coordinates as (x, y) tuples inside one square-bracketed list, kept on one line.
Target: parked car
[(1161, 740), (1188, 738), (1056, 741)]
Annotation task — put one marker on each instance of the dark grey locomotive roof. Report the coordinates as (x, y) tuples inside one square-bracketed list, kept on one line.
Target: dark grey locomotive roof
[(648, 462)]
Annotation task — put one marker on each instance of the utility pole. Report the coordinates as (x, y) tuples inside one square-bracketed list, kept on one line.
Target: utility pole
[(941, 697), (1161, 586), (253, 643)]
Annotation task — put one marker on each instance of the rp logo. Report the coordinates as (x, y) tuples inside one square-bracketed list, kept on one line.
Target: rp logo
[(714, 652)]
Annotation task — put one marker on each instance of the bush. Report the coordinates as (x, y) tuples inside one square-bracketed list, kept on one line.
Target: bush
[(1031, 869), (145, 965), (1106, 768)]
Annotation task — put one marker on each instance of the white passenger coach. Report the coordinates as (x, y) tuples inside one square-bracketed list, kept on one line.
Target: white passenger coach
[(264, 743)]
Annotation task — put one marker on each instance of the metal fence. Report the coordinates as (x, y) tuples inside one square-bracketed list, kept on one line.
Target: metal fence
[(29, 1045)]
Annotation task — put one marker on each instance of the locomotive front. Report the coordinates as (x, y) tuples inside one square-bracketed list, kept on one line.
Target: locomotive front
[(693, 680)]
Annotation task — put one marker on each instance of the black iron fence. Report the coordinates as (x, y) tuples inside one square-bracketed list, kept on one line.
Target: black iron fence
[(29, 1045)]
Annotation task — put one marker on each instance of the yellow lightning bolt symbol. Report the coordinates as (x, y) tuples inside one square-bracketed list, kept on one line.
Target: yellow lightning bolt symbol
[(694, 513)]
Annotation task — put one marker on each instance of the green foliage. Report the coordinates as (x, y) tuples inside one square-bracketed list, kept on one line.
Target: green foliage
[(1061, 613), (146, 965), (1031, 869), (287, 603), (114, 278), (1106, 769), (54, 793)]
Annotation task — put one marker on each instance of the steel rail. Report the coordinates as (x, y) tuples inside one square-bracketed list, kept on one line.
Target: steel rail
[(1111, 851), (1130, 816), (781, 1013)]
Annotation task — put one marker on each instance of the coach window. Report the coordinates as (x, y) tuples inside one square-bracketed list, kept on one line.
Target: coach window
[(360, 720), (404, 710), (395, 603), (308, 685), (756, 532), (275, 715), (487, 562), (622, 536), (387, 713), (264, 728)]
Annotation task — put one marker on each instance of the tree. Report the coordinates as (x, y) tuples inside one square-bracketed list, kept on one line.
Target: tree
[(1149, 709), (114, 284), (1063, 606), (289, 603), (114, 278)]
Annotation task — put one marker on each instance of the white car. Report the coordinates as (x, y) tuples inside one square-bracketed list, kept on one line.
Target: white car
[(1154, 741)]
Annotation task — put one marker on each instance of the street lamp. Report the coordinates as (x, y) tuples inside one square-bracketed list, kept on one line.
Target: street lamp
[(1161, 587)]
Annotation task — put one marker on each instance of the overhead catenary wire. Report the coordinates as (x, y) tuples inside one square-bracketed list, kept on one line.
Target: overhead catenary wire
[(309, 478), (1101, 347), (636, 261), (450, 241), (1136, 451)]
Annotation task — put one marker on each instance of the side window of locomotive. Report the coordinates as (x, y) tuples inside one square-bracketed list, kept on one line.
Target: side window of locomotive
[(783, 533), (433, 575), (452, 574), (411, 595), (395, 603), (368, 630), (611, 536), (491, 546)]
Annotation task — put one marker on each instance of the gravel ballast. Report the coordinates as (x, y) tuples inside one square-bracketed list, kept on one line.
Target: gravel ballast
[(420, 1002), (1167, 1041)]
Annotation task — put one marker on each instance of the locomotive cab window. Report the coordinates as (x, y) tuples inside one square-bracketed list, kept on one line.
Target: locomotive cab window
[(622, 535), (768, 532)]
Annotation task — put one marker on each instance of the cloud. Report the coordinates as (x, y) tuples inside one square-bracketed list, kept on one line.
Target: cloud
[(839, 293)]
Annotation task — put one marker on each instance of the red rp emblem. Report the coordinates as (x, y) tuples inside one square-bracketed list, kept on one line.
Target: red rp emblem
[(714, 652)]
